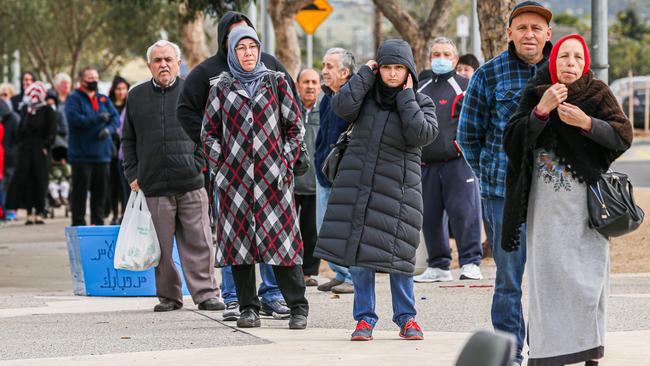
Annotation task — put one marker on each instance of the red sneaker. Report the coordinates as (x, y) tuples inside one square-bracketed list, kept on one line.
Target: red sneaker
[(363, 332), (411, 331)]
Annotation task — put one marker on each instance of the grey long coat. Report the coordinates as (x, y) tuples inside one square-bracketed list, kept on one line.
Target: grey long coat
[(374, 215)]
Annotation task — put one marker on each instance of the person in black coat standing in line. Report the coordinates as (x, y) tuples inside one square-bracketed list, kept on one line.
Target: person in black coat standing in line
[(35, 136), (374, 214)]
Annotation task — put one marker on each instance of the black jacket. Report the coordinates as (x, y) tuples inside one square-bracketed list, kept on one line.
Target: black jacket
[(157, 151), (192, 100), (446, 91), (374, 215)]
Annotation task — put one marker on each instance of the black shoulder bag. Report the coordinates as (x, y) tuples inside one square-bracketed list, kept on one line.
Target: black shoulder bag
[(612, 210), (333, 159), (302, 164)]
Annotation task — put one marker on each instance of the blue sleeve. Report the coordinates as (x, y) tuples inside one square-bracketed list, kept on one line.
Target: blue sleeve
[(74, 113), (473, 122)]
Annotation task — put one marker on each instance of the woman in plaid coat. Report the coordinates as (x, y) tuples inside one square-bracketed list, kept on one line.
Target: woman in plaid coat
[(251, 135)]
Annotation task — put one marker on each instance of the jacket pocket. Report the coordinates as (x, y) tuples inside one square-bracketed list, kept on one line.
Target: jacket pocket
[(507, 101)]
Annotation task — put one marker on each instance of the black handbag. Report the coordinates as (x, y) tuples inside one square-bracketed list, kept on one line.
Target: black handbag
[(333, 159), (301, 166), (612, 209)]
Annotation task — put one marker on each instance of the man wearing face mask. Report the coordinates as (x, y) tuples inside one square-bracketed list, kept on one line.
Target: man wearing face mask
[(449, 188), (92, 119)]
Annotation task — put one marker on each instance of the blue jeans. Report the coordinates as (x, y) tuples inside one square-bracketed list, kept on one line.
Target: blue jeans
[(401, 290), (507, 313), (268, 290), (322, 197)]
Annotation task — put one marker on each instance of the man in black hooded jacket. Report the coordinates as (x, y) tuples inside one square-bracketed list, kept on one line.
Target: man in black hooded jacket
[(190, 110), (191, 102)]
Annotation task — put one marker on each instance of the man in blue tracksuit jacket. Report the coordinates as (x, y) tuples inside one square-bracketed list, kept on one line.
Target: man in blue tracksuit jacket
[(92, 120), (449, 187)]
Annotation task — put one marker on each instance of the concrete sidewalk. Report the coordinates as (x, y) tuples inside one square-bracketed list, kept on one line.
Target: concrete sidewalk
[(44, 324)]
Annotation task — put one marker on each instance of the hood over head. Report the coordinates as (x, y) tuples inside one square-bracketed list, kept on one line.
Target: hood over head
[(397, 51), (393, 52), (225, 22)]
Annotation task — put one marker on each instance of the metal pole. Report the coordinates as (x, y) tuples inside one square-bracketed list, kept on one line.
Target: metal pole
[(599, 39), (646, 119), (252, 14), (630, 99), (310, 50), (475, 34), (15, 69), (264, 26)]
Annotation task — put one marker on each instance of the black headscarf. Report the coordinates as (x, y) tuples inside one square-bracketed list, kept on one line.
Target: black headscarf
[(392, 52)]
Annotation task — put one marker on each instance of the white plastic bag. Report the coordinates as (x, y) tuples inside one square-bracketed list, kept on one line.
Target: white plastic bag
[(137, 247)]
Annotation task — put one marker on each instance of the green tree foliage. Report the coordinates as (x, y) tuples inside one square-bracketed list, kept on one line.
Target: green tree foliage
[(64, 35), (629, 45), (212, 7)]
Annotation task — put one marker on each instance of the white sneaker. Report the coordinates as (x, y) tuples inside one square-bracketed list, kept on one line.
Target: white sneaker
[(434, 275), (471, 272)]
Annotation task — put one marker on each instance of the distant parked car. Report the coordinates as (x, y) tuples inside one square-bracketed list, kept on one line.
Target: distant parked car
[(638, 105), (621, 89)]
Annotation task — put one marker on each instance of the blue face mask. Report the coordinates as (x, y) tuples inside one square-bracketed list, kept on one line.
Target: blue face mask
[(441, 65)]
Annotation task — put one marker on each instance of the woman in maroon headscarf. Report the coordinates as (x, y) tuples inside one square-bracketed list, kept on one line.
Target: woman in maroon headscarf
[(568, 130), (35, 136)]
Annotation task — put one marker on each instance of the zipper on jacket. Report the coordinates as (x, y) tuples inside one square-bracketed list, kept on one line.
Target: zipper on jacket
[(164, 142)]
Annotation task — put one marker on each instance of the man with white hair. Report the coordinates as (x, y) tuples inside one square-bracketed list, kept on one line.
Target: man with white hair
[(164, 163), (338, 68)]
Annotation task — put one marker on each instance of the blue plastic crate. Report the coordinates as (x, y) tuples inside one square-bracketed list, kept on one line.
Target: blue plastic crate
[(91, 250)]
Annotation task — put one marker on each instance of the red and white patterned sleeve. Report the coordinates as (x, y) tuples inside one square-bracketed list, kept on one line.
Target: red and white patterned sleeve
[(211, 130)]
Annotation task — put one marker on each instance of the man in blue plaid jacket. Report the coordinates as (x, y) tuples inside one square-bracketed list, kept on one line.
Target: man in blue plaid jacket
[(491, 99)]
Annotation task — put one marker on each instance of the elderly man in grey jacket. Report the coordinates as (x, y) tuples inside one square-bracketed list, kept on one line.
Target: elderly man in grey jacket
[(308, 85), (161, 160)]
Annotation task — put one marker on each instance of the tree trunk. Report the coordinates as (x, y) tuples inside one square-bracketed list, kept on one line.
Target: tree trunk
[(287, 49), (493, 21), (379, 37), (418, 35), (193, 41)]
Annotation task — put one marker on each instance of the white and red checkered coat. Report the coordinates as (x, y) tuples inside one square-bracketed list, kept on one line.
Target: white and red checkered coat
[(251, 146)]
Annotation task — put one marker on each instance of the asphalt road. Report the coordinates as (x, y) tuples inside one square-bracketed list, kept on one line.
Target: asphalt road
[(636, 163)]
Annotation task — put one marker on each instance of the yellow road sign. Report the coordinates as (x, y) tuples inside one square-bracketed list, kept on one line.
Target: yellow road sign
[(312, 15)]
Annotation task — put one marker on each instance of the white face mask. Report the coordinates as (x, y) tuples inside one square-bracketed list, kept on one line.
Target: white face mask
[(441, 65)]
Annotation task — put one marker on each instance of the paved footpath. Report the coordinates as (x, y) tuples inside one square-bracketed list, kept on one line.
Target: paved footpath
[(42, 323)]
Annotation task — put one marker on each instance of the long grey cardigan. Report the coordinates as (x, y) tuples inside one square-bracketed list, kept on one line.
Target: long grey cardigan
[(374, 215)]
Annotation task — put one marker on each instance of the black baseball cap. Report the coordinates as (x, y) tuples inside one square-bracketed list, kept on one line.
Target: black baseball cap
[(530, 7)]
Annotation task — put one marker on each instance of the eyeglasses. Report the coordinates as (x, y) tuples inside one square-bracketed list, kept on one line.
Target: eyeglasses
[(252, 48)]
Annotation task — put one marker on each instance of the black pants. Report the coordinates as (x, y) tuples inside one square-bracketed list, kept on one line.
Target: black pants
[(126, 188), (85, 177), (290, 281), (450, 192), (306, 206), (114, 191)]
